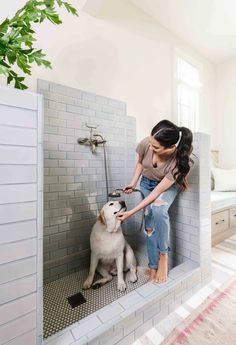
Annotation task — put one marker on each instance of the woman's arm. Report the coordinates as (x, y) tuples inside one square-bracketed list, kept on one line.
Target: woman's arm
[(137, 172), (159, 189)]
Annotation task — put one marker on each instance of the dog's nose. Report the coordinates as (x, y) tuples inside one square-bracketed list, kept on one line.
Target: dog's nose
[(122, 203)]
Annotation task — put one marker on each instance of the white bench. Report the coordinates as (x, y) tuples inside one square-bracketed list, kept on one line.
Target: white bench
[(223, 210), (223, 215)]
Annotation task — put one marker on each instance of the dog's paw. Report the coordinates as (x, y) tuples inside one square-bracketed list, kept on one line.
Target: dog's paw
[(133, 277), (113, 272), (121, 286), (87, 284), (96, 286)]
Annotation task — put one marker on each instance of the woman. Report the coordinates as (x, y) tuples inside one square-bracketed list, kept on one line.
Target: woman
[(164, 162)]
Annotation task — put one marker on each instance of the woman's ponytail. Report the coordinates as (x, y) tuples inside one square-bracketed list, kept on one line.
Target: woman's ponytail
[(183, 151)]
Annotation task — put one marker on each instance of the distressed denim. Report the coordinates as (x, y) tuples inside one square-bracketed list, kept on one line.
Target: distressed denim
[(157, 218)]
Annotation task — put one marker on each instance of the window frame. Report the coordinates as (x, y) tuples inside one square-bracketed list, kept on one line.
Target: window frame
[(177, 53)]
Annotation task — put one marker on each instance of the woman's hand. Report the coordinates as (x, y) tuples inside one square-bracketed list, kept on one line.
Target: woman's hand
[(128, 189), (124, 215)]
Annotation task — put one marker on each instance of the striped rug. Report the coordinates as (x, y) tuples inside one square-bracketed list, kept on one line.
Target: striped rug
[(212, 323)]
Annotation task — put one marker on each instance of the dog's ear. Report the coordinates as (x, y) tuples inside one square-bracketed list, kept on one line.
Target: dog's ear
[(101, 218)]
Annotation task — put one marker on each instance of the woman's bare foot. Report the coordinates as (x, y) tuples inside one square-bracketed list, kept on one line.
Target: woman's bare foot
[(152, 274), (161, 275)]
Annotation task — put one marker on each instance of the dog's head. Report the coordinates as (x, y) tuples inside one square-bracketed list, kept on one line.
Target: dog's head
[(108, 215)]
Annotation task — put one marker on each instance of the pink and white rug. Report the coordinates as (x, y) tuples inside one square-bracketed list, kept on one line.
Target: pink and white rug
[(212, 323)]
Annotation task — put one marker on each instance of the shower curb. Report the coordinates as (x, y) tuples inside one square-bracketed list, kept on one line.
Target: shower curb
[(126, 319)]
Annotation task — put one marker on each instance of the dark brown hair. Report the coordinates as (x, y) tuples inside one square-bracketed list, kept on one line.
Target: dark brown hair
[(168, 134)]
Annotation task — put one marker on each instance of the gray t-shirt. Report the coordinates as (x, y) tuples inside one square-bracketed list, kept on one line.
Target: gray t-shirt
[(146, 158)]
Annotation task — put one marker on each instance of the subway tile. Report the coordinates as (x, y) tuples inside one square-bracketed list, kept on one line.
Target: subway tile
[(16, 289), (17, 212), (17, 174), (110, 311), (17, 231), (17, 155), (26, 338), (85, 326), (147, 289), (63, 339), (57, 187), (17, 250), (18, 193), (130, 299), (66, 163), (17, 308), (57, 138), (139, 331), (17, 327), (17, 136)]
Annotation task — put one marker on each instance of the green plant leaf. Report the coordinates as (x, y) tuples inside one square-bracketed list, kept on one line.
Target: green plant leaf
[(46, 63), (9, 79), (22, 63), (70, 9), (13, 73), (38, 57), (4, 26), (11, 55), (17, 38), (3, 63), (54, 18), (19, 85), (4, 70)]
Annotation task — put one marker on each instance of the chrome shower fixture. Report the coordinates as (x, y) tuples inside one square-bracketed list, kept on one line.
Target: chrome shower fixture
[(94, 140), (115, 193)]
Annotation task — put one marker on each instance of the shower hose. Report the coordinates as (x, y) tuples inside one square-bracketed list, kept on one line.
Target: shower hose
[(116, 192)]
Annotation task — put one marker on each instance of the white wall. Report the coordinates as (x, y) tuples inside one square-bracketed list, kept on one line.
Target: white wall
[(123, 54), (21, 190), (226, 112)]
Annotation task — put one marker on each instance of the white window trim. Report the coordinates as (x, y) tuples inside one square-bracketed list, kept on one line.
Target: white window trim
[(178, 53)]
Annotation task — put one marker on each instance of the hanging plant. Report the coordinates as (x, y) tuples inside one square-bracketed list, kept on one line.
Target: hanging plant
[(17, 38)]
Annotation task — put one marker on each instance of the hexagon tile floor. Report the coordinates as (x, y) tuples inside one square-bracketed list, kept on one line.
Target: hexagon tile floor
[(59, 314)]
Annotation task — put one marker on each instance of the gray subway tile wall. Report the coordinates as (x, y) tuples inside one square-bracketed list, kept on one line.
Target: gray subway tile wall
[(74, 178)]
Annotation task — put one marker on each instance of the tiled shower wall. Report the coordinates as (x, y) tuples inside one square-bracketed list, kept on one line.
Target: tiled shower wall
[(20, 217), (74, 178)]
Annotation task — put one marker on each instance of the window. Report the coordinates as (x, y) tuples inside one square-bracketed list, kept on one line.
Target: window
[(187, 93)]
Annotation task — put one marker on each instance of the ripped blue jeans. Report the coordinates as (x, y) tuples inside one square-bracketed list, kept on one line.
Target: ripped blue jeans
[(157, 219)]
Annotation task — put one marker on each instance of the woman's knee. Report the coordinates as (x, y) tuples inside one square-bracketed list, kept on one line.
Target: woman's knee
[(149, 231), (160, 210)]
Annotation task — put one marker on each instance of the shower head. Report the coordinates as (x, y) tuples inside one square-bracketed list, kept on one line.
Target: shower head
[(82, 140), (115, 194)]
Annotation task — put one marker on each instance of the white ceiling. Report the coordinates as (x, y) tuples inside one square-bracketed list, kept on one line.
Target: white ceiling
[(207, 25)]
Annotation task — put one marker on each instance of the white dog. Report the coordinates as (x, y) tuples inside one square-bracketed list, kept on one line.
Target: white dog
[(109, 247)]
